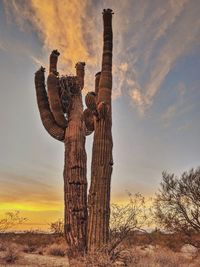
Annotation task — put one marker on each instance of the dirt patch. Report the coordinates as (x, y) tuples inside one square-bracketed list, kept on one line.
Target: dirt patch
[(33, 260)]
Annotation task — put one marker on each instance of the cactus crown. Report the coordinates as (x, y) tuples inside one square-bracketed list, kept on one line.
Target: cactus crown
[(55, 53), (107, 11), (69, 86)]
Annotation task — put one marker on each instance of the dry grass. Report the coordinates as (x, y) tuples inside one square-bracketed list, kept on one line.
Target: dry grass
[(136, 257), (154, 250), (56, 250), (12, 253)]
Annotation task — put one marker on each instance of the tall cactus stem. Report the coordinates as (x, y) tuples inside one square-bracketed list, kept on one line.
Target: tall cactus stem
[(75, 181), (102, 161)]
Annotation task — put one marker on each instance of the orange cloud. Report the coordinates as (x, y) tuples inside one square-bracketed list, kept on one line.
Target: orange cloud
[(61, 25)]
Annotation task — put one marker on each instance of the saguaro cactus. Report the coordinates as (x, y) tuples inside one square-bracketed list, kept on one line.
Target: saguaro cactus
[(99, 108), (62, 115), (61, 112)]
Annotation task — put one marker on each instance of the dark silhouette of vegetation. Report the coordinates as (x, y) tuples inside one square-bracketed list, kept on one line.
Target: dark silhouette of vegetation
[(177, 205), (57, 227), (10, 220)]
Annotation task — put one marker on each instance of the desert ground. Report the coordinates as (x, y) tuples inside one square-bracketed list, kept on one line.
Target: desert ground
[(140, 249)]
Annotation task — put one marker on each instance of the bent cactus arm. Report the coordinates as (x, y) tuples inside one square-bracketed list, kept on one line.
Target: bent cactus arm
[(54, 90), (43, 105)]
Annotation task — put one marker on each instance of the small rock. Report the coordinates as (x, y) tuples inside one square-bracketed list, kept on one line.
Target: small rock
[(187, 248), (149, 248), (119, 263)]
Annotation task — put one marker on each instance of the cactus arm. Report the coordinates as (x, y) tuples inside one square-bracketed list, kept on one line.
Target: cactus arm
[(53, 91), (45, 113), (90, 113), (54, 99), (80, 73), (53, 61), (97, 79), (89, 120)]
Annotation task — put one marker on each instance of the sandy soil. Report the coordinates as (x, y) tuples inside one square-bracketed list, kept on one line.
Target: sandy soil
[(34, 260)]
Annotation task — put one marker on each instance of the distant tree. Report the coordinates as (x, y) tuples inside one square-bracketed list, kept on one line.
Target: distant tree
[(177, 205), (57, 227), (10, 220)]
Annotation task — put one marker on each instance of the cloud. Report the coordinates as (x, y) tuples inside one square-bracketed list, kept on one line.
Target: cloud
[(60, 25), (182, 105), (169, 114), (149, 38), (155, 39), (137, 96)]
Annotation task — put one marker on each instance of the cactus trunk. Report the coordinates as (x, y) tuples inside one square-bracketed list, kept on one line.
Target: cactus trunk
[(102, 161), (75, 182)]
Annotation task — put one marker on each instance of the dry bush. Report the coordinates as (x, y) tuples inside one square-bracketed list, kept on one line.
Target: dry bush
[(137, 257), (29, 248), (56, 250), (10, 220), (126, 219), (3, 246), (160, 257), (41, 250), (98, 259), (36, 239), (12, 253), (57, 227), (177, 205), (167, 258)]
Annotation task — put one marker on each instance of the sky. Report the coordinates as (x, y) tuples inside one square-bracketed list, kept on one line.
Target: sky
[(156, 95)]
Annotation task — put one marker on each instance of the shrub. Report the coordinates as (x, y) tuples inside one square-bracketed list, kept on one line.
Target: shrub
[(2, 246), (98, 259), (57, 250), (177, 205), (125, 219), (10, 220), (12, 254), (57, 227), (29, 248)]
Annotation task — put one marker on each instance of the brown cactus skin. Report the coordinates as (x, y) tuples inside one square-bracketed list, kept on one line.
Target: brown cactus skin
[(97, 79), (80, 73), (54, 100), (90, 101), (43, 104), (53, 61), (73, 136), (75, 181), (102, 161), (88, 119)]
